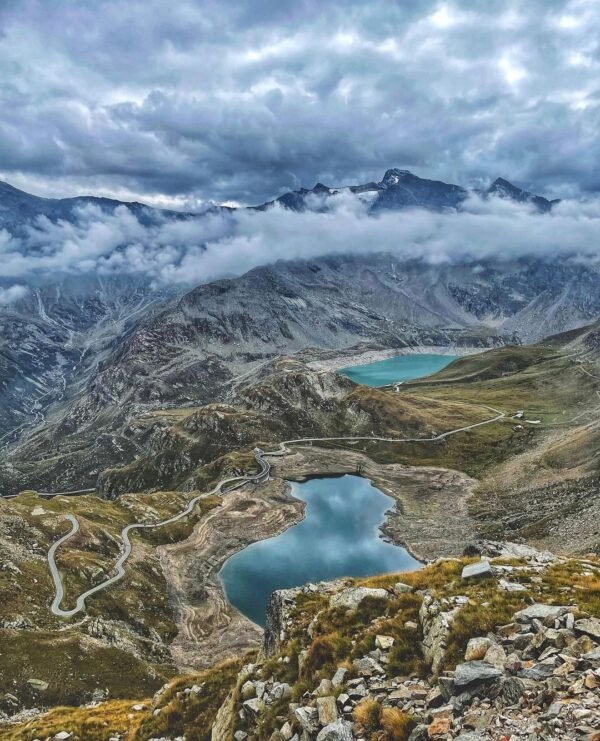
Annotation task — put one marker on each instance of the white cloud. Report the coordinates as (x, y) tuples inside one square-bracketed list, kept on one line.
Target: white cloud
[(244, 104), (218, 245), (12, 293)]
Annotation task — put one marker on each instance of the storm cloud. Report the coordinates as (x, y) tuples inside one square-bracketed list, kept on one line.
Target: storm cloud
[(179, 103)]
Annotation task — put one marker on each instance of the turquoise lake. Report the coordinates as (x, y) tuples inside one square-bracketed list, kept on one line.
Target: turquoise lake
[(399, 368), (338, 537)]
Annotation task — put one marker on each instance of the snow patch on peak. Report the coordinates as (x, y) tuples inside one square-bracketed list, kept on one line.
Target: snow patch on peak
[(393, 176)]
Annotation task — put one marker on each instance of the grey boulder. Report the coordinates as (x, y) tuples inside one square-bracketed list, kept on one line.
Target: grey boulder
[(308, 719), (589, 627), (539, 611), (475, 672), (479, 570), (351, 598), (340, 730)]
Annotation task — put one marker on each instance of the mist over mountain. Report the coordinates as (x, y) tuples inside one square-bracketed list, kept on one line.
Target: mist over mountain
[(82, 277), (408, 216)]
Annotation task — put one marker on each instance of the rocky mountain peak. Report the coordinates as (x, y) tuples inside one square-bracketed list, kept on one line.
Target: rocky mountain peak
[(506, 189), (503, 188), (394, 176)]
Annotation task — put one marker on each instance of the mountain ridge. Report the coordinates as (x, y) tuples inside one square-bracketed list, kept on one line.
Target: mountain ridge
[(402, 188), (74, 349)]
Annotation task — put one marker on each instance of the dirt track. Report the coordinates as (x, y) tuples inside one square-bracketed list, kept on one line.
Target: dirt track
[(210, 629)]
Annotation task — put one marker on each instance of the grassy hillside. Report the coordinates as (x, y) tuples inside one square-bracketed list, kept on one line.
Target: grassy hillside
[(538, 480), (128, 626), (320, 637)]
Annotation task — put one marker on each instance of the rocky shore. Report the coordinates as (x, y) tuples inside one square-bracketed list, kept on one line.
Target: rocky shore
[(431, 516), (534, 676)]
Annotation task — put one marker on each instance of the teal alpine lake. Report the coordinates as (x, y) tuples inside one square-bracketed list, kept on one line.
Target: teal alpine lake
[(338, 537), (397, 369)]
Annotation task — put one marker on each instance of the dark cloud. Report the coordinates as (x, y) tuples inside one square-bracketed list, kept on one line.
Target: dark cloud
[(243, 100)]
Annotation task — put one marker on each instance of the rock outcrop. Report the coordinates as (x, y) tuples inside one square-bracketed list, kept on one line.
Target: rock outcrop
[(534, 675)]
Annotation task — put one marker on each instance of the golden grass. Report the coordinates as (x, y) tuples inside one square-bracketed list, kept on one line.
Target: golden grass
[(180, 713), (368, 714), (190, 715), (89, 724), (324, 652), (374, 719), (396, 724)]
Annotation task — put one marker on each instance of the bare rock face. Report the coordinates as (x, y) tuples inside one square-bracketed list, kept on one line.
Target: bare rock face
[(350, 599), (281, 603), (515, 550), (221, 730), (277, 619), (436, 624)]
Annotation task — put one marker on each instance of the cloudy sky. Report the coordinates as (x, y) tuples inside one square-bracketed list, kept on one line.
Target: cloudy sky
[(180, 102)]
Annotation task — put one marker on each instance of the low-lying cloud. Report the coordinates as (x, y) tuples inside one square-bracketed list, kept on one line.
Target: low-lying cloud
[(225, 244), (12, 294)]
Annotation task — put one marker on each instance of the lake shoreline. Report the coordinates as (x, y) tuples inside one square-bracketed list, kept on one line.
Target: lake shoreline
[(343, 535), (371, 356), (210, 628)]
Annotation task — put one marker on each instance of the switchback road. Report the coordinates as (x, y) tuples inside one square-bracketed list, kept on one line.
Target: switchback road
[(232, 483)]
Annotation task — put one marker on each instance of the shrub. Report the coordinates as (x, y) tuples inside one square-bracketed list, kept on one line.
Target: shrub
[(396, 724), (368, 714), (405, 657), (324, 651)]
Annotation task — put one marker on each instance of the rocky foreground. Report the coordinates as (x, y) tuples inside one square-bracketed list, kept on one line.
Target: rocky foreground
[(501, 644), (534, 676)]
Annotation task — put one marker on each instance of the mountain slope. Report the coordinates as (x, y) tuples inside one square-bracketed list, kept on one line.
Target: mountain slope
[(18, 208), (53, 339), (192, 352), (504, 189)]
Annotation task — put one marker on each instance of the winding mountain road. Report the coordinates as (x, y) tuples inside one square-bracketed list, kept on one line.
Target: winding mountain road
[(233, 483)]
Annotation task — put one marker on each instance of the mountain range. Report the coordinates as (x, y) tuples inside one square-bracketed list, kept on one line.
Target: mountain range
[(81, 356), (402, 189), (149, 403), (397, 189)]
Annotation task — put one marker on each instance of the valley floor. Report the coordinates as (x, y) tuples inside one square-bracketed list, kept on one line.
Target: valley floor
[(511, 479)]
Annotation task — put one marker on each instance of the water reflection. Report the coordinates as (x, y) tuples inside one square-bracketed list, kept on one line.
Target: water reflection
[(338, 537)]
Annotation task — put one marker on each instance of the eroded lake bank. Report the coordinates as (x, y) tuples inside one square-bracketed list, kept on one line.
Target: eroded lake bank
[(340, 536), (429, 520)]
